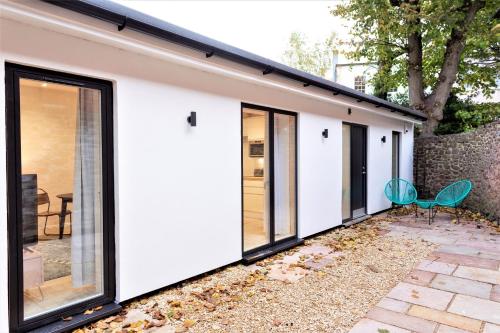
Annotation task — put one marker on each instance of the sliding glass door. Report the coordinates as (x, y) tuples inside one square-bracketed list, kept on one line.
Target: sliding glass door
[(60, 199), (395, 154), (269, 176)]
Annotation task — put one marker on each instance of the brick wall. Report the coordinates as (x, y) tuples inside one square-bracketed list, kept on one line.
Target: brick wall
[(439, 161)]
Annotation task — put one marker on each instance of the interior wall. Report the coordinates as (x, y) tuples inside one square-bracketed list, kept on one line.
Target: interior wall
[(48, 126)]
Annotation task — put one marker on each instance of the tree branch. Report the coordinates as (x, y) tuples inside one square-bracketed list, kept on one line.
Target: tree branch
[(454, 47)]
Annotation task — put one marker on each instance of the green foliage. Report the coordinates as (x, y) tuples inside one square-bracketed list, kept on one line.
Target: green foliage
[(315, 58), (463, 115), (381, 29)]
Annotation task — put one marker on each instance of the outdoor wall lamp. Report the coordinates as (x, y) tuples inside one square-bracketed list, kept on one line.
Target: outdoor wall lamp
[(192, 119), (383, 139), (325, 133), (349, 111)]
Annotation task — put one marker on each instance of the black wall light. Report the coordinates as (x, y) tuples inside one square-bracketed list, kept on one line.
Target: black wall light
[(192, 119), (383, 139), (349, 111), (325, 133)]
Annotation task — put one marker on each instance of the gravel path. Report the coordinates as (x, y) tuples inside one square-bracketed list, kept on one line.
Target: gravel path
[(330, 294)]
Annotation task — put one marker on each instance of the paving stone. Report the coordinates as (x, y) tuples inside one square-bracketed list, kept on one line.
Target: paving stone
[(371, 326), (495, 293), (489, 247), (446, 318), (490, 328), (468, 251), (318, 264), (315, 250), (460, 259), (421, 278), (462, 286), (290, 259), (286, 273), (477, 308), (436, 267), (478, 274), (163, 329), (431, 237), (448, 329), (401, 320), (393, 305), (432, 298)]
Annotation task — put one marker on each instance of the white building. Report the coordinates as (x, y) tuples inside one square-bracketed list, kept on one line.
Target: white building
[(165, 154)]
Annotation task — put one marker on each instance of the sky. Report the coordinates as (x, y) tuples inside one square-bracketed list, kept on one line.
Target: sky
[(261, 27)]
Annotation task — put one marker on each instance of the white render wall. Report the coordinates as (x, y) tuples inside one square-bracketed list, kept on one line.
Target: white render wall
[(178, 188)]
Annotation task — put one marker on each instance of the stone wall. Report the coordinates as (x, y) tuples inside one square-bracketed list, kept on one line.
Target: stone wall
[(441, 160)]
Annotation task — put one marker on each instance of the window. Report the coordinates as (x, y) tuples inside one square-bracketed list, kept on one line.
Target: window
[(60, 165), (359, 83)]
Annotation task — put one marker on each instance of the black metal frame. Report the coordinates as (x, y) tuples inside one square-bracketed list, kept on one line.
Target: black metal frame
[(13, 73), (399, 151), (365, 176), (272, 241)]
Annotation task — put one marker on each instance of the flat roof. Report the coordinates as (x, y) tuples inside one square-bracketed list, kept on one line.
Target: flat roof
[(127, 18)]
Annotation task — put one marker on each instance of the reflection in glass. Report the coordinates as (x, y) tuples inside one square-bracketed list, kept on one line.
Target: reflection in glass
[(346, 171), (256, 185), (284, 176), (61, 195)]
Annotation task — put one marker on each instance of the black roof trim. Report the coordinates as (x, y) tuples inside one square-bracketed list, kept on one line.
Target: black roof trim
[(124, 17)]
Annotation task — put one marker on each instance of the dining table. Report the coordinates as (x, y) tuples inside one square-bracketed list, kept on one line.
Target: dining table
[(65, 199)]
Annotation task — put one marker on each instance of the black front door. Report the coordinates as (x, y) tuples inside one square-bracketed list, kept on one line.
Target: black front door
[(353, 171), (358, 171)]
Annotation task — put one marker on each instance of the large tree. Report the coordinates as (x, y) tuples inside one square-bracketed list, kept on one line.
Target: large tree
[(430, 47), (314, 58)]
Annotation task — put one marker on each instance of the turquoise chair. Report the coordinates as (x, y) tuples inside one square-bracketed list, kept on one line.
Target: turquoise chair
[(400, 192), (450, 196)]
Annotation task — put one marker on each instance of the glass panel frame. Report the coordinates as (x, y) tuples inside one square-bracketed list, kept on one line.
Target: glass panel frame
[(272, 182), (14, 73)]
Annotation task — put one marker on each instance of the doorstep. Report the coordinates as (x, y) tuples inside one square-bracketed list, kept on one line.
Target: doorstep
[(356, 220), (79, 320), (259, 255)]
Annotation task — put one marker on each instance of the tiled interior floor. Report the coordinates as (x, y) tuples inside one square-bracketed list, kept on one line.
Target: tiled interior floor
[(254, 234), (455, 290)]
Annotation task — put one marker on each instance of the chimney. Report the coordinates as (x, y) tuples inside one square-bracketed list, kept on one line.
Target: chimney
[(335, 61)]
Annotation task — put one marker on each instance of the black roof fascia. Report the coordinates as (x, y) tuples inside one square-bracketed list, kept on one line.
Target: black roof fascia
[(124, 17)]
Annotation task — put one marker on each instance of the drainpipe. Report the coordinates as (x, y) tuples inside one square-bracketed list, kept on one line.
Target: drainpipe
[(335, 61)]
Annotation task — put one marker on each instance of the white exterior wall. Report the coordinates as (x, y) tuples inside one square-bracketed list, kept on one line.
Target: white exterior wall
[(178, 188)]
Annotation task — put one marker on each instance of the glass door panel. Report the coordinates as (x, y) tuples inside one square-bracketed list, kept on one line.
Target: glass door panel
[(61, 181), (256, 179), (346, 171), (284, 176), (395, 155)]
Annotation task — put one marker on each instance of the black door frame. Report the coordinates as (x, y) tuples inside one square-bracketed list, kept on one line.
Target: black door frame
[(13, 73), (365, 159), (398, 134), (272, 241)]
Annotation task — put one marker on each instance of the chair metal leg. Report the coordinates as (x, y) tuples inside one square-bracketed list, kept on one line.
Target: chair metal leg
[(457, 214), (416, 211), (45, 227), (430, 213)]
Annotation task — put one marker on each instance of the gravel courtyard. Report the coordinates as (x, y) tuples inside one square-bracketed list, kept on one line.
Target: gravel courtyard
[(327, 285)]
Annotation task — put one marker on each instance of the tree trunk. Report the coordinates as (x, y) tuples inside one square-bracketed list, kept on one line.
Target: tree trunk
[(433, 104)]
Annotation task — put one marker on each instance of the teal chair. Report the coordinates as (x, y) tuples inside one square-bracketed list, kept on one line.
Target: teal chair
[(450, 196), (400, 192)]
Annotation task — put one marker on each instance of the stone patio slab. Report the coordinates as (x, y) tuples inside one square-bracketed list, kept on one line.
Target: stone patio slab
[(371, 326), (495, 293), (476, 308), (436, 267), (286, 274), (393, 305), (446, 318), (462, 286), (401, 320), (419, 295), (421, 278), (468, 251), (460, 259), (316, 250), (448, 329), (490, 328), (478, 274), (489, 247)]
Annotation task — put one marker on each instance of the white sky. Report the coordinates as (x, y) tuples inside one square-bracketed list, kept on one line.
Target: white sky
[(261, 27)]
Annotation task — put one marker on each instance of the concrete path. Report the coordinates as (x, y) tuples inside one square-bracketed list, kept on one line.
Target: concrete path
[(455, 290)]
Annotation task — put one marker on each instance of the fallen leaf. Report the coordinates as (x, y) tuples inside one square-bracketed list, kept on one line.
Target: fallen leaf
[(189, 323), (67, 318)]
